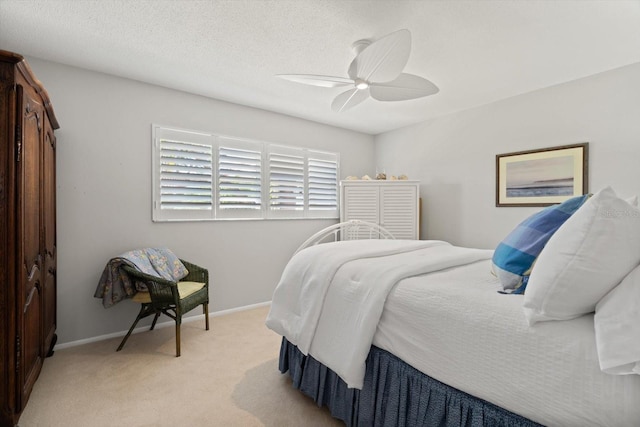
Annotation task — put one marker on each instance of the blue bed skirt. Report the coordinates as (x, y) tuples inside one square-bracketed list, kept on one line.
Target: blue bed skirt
[(394, 394)]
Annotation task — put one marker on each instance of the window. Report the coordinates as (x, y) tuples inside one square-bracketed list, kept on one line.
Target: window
[(286, 182), (199, 176), (183, 175), (322, 187), (239, 179)]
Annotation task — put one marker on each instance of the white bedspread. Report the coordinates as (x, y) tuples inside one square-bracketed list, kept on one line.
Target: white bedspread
[(454, 326), (331, 296), (436, 307)]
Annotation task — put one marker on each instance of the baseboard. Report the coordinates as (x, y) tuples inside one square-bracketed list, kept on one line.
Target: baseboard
[(165, 324)]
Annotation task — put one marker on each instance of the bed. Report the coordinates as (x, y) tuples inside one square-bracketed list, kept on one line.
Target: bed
[(410, 333)]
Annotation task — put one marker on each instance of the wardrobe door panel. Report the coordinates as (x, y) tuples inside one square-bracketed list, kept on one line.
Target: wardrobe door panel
[(29, 206), (49, 236)]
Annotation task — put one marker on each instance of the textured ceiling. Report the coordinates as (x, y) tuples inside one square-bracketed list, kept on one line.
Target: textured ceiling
[(476, 52)]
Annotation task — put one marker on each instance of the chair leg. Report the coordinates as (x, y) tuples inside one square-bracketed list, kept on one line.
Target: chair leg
[(205, 310), (178, 336), (155, 319), (143, 313)]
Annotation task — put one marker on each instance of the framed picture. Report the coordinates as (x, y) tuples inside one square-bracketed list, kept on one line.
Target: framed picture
[(542, 177)]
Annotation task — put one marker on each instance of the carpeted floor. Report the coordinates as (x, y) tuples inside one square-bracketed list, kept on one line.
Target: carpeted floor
[(227, 376)]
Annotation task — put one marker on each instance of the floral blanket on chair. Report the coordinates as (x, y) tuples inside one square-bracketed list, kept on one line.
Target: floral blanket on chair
[(115, 285)]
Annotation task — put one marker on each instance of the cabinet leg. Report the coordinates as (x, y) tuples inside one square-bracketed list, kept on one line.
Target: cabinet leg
[(53, 343)]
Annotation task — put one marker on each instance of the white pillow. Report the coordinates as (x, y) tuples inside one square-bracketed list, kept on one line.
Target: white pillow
[(617, 324), (588, 255), (633, 200)]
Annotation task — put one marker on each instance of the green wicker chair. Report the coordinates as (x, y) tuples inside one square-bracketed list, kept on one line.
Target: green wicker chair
[(171, 298)]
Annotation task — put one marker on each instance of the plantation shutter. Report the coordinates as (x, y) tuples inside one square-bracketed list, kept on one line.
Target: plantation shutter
[(202, 176), (184, 169), (322, 189), (239, 179), (286, 182), (185, 175)]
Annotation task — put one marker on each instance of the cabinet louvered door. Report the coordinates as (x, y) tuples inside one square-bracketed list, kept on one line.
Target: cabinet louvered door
[(390, 204), (360, 202), (398, 210), (30, 347)]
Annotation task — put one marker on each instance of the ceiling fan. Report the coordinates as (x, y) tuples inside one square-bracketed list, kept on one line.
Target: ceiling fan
[(375, 72)]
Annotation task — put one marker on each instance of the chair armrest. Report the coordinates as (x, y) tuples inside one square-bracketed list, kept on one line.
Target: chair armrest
[(196, 273), (162, 292), (143, 277)]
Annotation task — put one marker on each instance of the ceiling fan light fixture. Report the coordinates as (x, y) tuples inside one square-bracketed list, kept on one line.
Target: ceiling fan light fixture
[(361, 84)]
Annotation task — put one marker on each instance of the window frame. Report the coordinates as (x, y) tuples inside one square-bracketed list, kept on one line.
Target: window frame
[(266, 149)]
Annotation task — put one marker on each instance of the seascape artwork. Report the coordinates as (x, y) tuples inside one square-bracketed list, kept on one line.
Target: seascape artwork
[(541, 177)]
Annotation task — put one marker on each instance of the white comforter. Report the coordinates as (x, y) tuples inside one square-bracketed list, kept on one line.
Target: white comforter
[(331, 296), (455, 327)]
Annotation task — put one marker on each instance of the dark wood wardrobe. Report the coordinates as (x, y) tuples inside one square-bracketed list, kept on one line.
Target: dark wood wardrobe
[(27, 233)]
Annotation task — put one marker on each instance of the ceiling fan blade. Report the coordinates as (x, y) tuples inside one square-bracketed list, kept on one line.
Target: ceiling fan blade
[(349, 99), (314, 80), (384, 59), (353, 70), (406, 86)]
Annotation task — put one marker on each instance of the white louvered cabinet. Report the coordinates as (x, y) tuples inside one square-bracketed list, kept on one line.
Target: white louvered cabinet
[(392, 204)]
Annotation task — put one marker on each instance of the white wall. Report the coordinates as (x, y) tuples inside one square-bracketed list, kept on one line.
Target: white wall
[(104, 192), (454, 156)]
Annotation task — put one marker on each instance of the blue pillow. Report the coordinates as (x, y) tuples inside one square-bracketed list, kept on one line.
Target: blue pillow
[(514, 257)]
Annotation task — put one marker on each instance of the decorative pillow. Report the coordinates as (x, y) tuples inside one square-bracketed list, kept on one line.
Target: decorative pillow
[(514, 257), (617, 324), (584, 259)]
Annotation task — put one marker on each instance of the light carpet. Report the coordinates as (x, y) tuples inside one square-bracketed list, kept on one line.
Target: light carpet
[(227, 376)]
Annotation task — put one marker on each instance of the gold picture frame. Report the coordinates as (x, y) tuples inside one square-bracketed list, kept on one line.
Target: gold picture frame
[(542, 177)]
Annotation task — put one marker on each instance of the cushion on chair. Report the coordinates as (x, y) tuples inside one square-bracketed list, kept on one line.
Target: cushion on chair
[(141, 297), (187, 288), (184, 290)]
